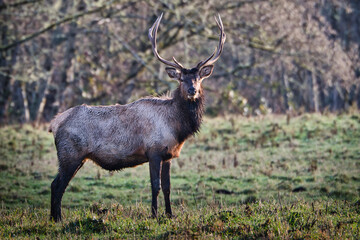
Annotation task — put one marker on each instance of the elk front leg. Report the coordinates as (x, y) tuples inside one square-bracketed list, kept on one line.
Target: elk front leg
[(165, 185), (155, 166)]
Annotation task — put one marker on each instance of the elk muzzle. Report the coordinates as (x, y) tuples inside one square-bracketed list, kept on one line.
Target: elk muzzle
[(191, 93)]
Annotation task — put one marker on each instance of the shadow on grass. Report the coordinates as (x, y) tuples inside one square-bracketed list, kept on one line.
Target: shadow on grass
[(85, 226), (37, 230)]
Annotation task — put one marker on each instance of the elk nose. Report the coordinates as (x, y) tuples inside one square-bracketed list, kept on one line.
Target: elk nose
[(192, 91)]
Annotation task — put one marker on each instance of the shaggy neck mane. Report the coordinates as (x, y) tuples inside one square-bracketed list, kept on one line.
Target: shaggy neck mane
[(190, 114)]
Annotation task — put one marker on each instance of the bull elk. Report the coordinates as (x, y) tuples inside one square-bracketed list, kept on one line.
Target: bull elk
[(148, 130)]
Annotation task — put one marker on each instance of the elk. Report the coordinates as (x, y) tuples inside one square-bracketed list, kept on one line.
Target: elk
[(148, 130)]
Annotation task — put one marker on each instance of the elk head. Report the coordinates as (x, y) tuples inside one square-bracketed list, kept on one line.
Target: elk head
[(190, 79)]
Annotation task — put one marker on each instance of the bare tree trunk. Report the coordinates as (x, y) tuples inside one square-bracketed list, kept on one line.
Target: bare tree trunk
[(315, 91), (334, 98), (6, 68), (35, 92), (50, 106), (17, 107), (285, 88), (337, 97), (4, 88), (309, 91), (26, 104), (358, 96)]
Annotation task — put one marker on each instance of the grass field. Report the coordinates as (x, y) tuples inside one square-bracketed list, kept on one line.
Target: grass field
[(264, 177)]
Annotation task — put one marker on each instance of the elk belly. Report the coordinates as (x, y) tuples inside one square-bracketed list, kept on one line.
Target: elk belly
[(117, 160)]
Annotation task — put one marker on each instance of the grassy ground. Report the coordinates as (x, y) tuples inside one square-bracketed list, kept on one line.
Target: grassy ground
[(240, 177)]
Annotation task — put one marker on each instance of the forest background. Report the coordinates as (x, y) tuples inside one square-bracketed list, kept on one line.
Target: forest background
[(283, 56)]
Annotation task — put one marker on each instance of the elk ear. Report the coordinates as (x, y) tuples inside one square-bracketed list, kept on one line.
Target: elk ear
[(173, 72), (206, 71)]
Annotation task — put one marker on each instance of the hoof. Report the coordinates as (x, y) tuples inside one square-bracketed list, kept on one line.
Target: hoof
[(55, 218), (169, 215)]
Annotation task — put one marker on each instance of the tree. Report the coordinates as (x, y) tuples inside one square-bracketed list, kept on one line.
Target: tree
[(279, 56)]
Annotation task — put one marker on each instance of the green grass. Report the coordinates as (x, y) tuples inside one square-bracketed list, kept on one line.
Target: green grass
[(239, 178), (321, 220)]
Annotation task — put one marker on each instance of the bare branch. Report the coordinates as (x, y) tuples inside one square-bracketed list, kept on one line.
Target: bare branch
[(17, 4), (139, 59), (51, 26)]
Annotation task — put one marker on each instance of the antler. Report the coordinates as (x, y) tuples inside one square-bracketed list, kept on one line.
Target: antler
[(152, 37), (210, 60)]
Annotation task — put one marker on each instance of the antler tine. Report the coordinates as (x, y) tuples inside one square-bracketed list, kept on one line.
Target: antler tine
[(215, 56), (174, 59), (203, 62), (152, 37)]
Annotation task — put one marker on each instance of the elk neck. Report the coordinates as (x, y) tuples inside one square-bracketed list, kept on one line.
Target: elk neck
[(190, 113)]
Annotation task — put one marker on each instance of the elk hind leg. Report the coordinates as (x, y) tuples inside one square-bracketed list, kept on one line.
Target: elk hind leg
[(58, 186)]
